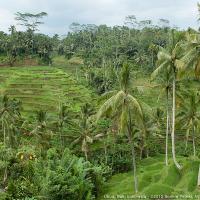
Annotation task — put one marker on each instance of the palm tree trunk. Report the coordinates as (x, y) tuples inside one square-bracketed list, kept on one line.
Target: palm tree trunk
[(167, 130), (173, 123), (193, 142), (141, 151), (4, 136), (116, 53), (198, 181), (147, 153), (86, 155), (145, 145), (5, 176), (133, 154), (186, 144), (77, 78), (134, 164), (152, 59), (61, 140), (4, 132), (105, 153)]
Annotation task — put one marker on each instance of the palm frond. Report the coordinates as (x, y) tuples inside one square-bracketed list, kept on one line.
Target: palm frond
[(118, 100), (88, 139), (189, 58), (180, 65), (107, 106), (107, 95), (163, 55), (123, 121), (197, 69), (159, 69), (84, 146), (134, 104), (98, 136), (76, 141)]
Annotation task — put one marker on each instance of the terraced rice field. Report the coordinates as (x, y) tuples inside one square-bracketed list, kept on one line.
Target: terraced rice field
[(42, 88), (156, 179)]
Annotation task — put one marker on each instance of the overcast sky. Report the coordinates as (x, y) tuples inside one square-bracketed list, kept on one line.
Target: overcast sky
[(61, 13)]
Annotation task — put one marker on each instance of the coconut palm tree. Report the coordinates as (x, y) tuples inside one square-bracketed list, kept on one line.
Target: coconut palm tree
[(9, 116), (84, 130), (191, 57), (165, 86), (64, 117), (103, 127), (84, 137), (146, 128), (123, 106), (190, 116), (169, 61), (41, 132)]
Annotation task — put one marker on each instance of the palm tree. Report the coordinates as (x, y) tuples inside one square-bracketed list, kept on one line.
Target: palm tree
[(123, 105), (169, 61), (190, 116), (167, 89), (85, 129), (64, 117), (145, 128), (103, 127), (41, 131), (191, 58), (9, 116), (84, 138), (165, 85)]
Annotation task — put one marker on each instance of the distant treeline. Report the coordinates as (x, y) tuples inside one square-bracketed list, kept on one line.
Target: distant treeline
[(98, 46)]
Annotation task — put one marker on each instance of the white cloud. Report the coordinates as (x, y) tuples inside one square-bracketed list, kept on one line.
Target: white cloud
[(62, 13), (6, 19)]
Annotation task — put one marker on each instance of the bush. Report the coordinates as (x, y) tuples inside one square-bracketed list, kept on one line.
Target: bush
[(71, 177), (60, 176)]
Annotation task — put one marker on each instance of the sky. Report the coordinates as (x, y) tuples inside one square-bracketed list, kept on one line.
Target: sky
[(61, 13)]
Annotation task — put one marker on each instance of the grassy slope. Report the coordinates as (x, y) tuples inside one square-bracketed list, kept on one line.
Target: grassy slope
[(156, 179), (42, 88)]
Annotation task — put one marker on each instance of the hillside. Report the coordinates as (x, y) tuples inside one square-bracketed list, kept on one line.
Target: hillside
[(42, 88), (45, 87), (92, 110), (156, 179)]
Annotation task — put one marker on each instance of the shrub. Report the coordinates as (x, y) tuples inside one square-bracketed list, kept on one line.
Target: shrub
[(70, 177)]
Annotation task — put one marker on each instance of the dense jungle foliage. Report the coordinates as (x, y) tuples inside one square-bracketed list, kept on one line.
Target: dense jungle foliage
[(100, 102)]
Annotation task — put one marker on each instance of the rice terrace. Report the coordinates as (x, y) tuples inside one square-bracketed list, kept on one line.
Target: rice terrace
[(42, 87), (99, 105)]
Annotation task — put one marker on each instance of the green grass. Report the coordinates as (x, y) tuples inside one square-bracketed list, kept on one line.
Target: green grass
[(42, 87), (156, 179)]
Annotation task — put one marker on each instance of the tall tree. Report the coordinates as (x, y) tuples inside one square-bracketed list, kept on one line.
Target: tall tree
[(123, 105), (169, 60), (29, 20), (191, 56), (41, 132), (84, 130), (64, 117), (165, 86), (131, 22), (190, 116), (9, 115)]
